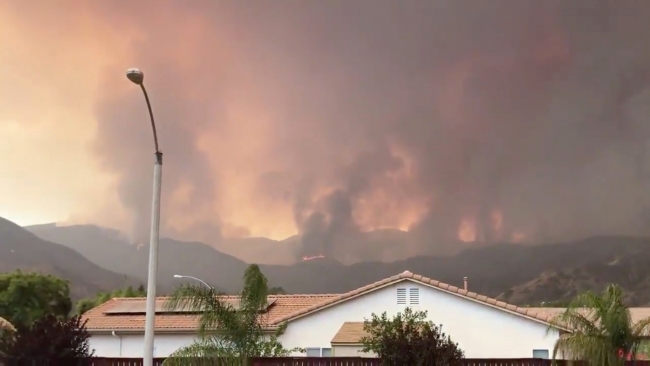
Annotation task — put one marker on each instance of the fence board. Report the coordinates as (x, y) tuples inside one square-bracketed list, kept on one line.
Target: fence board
[(314, 361), (94, 361), (295, 361)]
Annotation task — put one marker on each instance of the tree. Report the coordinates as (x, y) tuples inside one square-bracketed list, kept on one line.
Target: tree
[(48, 338), (25, 297), (228, 329), (277, 291), (553, 304), (408, 339), (84, 305), (601, 329)]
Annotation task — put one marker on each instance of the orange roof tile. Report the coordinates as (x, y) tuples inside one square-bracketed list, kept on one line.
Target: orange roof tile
[(530, 313), (98, 320), (350, 333), (637, 314)]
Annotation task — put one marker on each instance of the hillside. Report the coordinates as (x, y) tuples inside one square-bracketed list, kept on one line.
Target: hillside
[(629, 270), (111, 250), (20, 249), (518, 273), (260, 250)]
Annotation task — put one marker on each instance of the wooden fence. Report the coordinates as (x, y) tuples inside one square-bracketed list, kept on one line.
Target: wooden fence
[(258, 361), (520, 362), (94, 361), (314, 361), (290, 361)]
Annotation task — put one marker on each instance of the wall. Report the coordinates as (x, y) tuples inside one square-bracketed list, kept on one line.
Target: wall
[(350, 351), (480, 330), (132, 345)]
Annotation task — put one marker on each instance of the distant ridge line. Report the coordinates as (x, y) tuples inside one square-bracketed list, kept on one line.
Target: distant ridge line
[(44, 226)]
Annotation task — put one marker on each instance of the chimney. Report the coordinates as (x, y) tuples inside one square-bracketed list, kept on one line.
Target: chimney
[(465, 283)]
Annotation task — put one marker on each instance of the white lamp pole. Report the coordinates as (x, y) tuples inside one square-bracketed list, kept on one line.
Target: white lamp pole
[(195, 279), (137, 77)]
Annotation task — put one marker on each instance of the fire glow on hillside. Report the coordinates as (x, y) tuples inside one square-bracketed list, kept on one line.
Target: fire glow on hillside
[(306, 259)]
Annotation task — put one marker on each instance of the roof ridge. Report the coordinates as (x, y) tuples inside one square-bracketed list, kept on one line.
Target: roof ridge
[(525, 312), (303, 295), (160, 298)]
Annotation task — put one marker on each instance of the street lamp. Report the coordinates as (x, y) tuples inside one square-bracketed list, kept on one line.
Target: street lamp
[(137, 77), (195, 279)]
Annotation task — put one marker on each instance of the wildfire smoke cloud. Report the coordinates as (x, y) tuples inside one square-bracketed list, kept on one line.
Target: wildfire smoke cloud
[(506, 120)]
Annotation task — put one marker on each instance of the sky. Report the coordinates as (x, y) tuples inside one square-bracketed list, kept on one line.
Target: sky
[(48, 172), (475, 120)]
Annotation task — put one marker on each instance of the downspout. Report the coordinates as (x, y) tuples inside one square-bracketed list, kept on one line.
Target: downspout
[(115, 335)]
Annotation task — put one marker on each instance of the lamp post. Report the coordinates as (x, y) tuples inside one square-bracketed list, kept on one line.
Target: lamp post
[(195, 279), (137, 77)]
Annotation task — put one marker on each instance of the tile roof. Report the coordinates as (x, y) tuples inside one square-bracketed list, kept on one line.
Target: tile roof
[(99, 321), (350, 333), (530, 313), (636, 314)]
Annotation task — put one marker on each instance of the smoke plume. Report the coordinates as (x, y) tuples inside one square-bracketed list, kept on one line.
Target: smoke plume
[(503, 120)]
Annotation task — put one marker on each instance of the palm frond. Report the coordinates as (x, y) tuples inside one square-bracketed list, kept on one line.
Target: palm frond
[(207, 352), (255, 292), (191, 297), (215, 311), (579, 346), (600, 329), (586, 299), (641, 328), (575, 319), (227, 330)]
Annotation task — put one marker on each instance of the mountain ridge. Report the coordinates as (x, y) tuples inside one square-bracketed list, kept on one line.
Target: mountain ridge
[(498, 270), (23, 250)]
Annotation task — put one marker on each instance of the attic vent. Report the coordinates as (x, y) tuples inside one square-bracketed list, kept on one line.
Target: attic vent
[(414, 296), (401, 296)]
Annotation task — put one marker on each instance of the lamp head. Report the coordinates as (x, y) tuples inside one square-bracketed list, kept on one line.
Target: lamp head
[(178, 276), (135, 75)]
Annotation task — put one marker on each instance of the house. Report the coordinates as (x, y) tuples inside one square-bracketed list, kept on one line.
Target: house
[(117, 326), (327, 325), (483, 327)]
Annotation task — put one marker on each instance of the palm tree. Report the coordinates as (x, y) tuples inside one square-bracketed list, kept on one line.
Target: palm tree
[(600, 329), (229, 328)]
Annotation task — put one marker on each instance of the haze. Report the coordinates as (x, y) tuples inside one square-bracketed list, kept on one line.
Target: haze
[(500, 120)]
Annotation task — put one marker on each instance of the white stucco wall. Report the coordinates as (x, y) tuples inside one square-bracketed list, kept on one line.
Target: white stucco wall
[(480, 330), (350, 351), (131, 345)]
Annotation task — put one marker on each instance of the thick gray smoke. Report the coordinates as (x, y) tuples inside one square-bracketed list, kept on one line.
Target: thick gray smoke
[(536, 108)]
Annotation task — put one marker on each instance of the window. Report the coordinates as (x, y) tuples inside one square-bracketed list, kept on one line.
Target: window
[(414, 296), (319, 352), (401, 296), (313, 352), (540, 353)]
